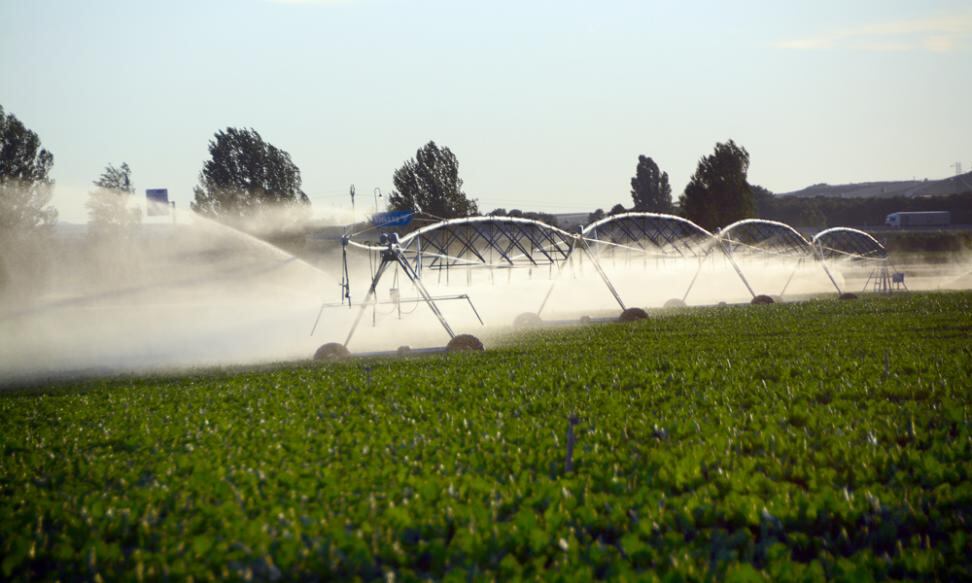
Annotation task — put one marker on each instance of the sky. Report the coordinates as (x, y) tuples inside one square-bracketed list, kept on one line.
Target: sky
[(546, 104)]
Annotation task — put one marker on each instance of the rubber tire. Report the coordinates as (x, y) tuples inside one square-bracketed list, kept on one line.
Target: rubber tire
[(332, 351), (527, 320), (404, 350), (585, 320), (761, 300), (674, 303), (847, 296), (633, 315), (465, 343), (722, 304)]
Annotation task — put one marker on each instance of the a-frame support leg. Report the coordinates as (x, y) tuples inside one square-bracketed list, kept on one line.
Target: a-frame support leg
[(395, 256), (417, 282)]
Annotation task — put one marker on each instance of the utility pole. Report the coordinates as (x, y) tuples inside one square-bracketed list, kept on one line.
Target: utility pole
[(377, 196)]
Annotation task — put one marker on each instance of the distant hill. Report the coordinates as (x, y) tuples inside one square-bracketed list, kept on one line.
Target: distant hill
[(906, 188)]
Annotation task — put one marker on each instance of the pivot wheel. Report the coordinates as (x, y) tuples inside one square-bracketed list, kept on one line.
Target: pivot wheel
[(527, 320), (762, 299), (674, 303), (465, 343), (633, 315), (847, 296), (332, 351)]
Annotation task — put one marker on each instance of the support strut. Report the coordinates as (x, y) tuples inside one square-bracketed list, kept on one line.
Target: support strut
[(727, 251), (691, 284), (790, 279), (823, 263), (600, 271), (560, 269)]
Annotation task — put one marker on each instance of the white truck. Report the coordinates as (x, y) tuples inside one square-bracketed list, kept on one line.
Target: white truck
[(919, 219)]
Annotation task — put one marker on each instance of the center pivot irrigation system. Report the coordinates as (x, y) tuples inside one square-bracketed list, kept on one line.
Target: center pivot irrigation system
[(457, 247)]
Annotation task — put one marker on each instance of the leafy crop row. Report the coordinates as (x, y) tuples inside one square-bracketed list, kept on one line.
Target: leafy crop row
[(823, 439)]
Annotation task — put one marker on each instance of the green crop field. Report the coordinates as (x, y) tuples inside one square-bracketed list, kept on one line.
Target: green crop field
[(816, 440)]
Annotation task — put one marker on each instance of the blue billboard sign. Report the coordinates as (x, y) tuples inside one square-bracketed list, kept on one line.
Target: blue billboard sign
[(157, 200), (391, 219)]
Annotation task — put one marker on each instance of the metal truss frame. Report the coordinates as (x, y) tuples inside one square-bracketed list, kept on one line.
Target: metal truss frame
[(470, 243), (761, 237), (652, 234), (858, 247), (647, 235), (510, 242), (488, 242), (475, 242), (840, 242)]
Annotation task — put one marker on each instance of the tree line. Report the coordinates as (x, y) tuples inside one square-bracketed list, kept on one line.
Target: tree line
[(717, 194), (246, 175)]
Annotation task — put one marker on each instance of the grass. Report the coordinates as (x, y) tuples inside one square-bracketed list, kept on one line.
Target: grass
[(813, 440)]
